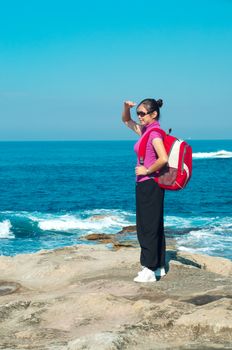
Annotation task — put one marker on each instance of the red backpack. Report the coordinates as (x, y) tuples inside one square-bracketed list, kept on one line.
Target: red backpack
[(176, 174)]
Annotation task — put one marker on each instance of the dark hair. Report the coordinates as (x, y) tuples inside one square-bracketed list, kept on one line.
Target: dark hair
[(152, 105)]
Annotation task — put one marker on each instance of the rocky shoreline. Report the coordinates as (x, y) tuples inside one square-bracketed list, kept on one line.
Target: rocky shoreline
[(84, 297)]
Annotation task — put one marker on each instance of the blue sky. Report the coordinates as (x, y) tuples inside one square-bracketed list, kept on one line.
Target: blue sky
[(67, 66)]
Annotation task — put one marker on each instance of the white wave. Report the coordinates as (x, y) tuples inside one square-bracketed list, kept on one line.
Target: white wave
[(5, 231), (94, 223), (109, 220), (218, 154), (187, 222), (195, 250), (108, 212), (213, 240)]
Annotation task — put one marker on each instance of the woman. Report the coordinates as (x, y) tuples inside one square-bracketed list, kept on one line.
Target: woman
[(149, 196)]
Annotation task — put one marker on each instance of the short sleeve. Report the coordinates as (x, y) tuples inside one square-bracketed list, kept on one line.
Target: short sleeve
[(155, 135)]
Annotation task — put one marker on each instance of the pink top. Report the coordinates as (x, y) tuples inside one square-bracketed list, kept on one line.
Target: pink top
[(151, 155)]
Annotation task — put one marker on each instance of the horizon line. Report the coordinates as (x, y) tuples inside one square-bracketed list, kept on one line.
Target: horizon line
[(112, 140)]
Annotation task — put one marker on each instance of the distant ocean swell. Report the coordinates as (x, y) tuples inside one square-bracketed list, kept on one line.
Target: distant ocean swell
[(210, 235), (217, 154)]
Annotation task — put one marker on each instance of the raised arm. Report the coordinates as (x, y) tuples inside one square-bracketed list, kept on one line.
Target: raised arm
[(126, 118)]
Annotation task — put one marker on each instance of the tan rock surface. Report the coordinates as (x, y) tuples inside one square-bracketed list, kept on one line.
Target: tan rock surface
[(84, 297), (210, 263)]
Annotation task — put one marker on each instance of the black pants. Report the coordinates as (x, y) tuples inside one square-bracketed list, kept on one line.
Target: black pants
[(150, 223)]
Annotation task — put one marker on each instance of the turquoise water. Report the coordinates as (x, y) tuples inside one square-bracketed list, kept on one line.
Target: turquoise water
[(52, 193)]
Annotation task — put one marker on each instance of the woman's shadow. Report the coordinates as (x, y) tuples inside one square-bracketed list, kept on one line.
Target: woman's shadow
[(172, 255)]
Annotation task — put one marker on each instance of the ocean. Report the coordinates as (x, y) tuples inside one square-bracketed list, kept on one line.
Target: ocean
[(53, 193)]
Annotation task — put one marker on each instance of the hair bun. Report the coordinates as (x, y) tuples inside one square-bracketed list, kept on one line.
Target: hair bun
[(159, 102)]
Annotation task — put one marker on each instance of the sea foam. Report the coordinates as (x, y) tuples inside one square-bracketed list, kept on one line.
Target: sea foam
[(5, 231), (214, 239)]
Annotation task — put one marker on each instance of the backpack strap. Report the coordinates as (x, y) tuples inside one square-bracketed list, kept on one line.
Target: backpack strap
[(143, 143)]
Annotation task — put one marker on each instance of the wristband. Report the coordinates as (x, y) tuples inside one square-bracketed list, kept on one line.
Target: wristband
[(147, 172)]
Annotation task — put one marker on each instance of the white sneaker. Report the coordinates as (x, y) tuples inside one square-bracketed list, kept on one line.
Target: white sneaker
[(143, 267), (146, 275), (160, 272)]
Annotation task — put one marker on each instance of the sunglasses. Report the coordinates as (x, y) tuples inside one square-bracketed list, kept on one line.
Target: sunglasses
[(142, 114)]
